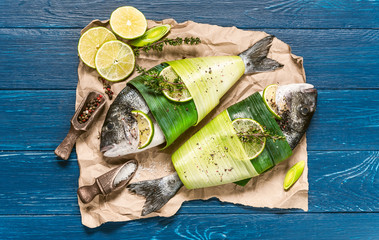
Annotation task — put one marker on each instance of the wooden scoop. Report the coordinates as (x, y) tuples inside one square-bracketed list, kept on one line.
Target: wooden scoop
[(109, 182), (64, 149)]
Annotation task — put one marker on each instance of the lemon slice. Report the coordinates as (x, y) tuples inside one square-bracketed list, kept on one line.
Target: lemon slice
[(179, 93), (115, 60), (91, 41), (253, 146), (128, 22), (150, 36), (145, 127), (269, 97)]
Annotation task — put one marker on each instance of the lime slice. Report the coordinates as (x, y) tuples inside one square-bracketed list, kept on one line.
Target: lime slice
[(179, 93), (152, 35), (114, 60), (247, 129), (91, 41), (269, 97), (293, 174), (145, 127), (128, 22)]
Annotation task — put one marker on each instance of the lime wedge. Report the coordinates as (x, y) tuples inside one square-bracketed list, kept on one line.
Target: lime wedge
[(249, 132), (293, 174), (152, 35), (179, 92), (91, 41), (269, 97), (128, 22), (145, 127), (114, 60)]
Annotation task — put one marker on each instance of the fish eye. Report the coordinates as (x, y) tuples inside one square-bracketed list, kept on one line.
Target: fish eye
[(110, 126), (304, 110)]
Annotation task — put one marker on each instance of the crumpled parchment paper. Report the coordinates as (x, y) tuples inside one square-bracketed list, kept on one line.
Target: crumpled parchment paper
[(265, 190)]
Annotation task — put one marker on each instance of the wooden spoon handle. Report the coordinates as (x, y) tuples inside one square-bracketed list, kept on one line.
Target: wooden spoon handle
[(64, 149), (89, 192)]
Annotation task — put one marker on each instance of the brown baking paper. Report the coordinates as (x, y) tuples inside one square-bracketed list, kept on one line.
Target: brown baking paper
[(265, 190)]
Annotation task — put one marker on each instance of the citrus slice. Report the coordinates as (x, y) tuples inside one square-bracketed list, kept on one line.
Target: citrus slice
[(152, 35), (128, 22), (145, 127), (91, 41), (179, 92), (269, 97), (251, 134), (114, 60)]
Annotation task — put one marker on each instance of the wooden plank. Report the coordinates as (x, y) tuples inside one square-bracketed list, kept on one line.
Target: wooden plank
[(38, 59), (216, 226), (39, 120), (240, 13), (333, 58), (39, 183)]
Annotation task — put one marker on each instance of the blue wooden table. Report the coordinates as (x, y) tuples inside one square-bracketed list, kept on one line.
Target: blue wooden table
[(339, 40)]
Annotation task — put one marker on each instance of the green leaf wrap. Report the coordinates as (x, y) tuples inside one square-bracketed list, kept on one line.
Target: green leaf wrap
[(275, 151), (174, 118), (213, 156), (208, 79)]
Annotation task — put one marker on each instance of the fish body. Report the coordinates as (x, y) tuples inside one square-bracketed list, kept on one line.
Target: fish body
[(119, 134), (296, 105)]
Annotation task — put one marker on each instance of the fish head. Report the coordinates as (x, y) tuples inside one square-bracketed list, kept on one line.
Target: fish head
[(119, 134), (296, 105)]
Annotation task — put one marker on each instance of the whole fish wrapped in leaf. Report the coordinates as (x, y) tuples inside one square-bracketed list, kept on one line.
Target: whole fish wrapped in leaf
[(217, 153), (207, 80)]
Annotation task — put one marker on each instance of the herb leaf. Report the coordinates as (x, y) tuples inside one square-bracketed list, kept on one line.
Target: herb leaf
[(158, 46)]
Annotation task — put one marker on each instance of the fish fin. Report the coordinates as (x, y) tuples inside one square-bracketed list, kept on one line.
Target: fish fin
[(255, 58), (157, 192)]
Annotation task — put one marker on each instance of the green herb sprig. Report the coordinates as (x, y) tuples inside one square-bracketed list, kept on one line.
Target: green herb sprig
[(253, 133), (158, 46), (159, 83)]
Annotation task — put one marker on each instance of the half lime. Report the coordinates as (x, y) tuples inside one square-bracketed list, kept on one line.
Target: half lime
[(145, 127), (269, 97), (251, 134), (178, 91), (128, 22), (115, 60), (91, 41)]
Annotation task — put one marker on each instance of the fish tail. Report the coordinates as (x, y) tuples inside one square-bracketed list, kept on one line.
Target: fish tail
[(157, 192), (255, 57)]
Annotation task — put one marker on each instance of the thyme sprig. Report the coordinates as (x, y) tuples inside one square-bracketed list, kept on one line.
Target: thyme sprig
[(158, 46), (159, 83), (253, 134)]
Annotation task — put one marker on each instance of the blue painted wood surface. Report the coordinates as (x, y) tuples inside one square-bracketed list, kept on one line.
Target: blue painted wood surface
[(339, 41)]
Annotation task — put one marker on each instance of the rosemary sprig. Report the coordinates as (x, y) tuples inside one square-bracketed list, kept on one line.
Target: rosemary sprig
[(159, 83), (158, 46)]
